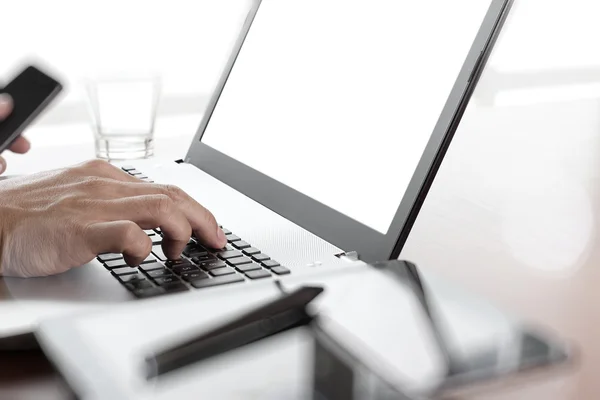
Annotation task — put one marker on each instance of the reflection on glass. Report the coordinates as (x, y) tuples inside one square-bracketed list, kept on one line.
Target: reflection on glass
[(513, 348)]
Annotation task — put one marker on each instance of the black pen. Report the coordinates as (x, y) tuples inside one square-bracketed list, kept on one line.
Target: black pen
[(283, 314)]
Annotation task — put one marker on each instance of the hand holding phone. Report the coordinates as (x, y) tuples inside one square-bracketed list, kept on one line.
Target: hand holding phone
[(21, 101), (20, 145)]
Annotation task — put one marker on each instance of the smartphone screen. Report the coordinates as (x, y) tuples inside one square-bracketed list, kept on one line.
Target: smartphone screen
[(31, 91)]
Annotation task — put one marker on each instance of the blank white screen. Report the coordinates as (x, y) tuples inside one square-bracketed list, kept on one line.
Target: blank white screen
[(334, 94)]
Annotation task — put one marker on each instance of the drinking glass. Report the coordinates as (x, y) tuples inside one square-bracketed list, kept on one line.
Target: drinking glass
[(124, 112)]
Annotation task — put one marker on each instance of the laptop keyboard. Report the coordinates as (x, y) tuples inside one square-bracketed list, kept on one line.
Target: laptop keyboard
[(199, 267)]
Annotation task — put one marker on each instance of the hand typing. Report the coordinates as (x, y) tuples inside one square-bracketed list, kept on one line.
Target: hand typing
[(57, 220)]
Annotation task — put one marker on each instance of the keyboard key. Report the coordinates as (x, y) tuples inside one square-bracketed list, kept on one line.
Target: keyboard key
[(158, 252), (166, 279), (158, 273), (145, 284), (175, 287), (222, 271), (151, 267), (194, 276), (241, 244), (131, 277), (158, 230), (134, 172), (149, 292), (227, 247), (142, 177), (201, 255), (280, 270), (110, 257), (227, 254), (127, 168), (258, 274), (210, 265), (221, 280), (115, 264), (150, 232), (239, 261), (232, 238), (226, 231), (182, 269), (260, 257), (217, 251), (250, 251), (201, 259), (270, 263), (176, 263), (124, 271), (149, 259), (194, 249), (156, 239), (247, 267)]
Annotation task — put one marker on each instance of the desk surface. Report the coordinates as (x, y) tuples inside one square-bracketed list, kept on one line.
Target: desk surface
[(514, 212)]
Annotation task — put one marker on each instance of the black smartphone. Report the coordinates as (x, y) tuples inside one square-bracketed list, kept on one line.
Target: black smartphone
[(32, 91)]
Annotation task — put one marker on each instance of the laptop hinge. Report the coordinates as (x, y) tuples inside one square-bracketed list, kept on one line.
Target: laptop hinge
[(349, 256)]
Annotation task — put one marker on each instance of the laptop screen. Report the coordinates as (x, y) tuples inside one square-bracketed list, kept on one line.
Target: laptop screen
[(328, 96)]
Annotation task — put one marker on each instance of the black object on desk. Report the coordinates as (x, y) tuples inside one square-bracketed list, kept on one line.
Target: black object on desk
[(285, 313), (28, 373)]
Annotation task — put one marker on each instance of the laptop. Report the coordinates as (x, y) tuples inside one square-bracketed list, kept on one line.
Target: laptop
[(317, 149)]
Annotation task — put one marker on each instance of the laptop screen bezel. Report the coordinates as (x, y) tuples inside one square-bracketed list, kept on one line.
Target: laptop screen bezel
[(326, 222)]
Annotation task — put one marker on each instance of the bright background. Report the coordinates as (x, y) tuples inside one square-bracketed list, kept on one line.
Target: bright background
[(186, 42)]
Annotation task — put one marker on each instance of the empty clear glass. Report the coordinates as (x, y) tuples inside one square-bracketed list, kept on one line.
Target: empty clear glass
[(124, 112)]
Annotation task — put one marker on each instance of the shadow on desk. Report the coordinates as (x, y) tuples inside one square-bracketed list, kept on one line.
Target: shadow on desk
[(27, 374)]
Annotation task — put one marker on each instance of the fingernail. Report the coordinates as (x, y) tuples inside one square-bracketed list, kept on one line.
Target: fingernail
[(221, 235), (5, 99)]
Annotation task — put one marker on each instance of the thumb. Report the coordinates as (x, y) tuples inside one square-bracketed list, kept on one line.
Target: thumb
[(2, 165), (6, 105)]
